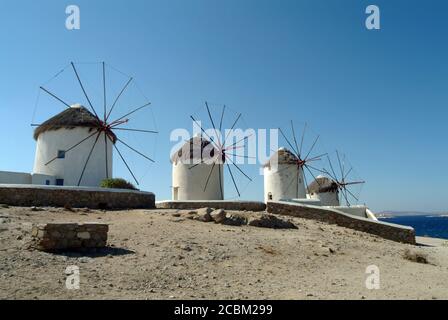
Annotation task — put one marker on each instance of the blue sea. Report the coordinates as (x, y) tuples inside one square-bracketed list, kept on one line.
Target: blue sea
[(425, 226)]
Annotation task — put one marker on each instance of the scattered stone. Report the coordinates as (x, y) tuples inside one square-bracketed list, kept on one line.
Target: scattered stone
[(68, 207), (270, 221), (416, 256), (218, 215), (204, 215), (234, 219), (33, 208), (186, 247)]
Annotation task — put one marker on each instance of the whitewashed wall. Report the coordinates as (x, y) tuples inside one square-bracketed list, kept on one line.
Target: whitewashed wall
[(327, 198), (190, 183), (7, 177), (41, 179), (281, 182), (301, 189), (70, 168)]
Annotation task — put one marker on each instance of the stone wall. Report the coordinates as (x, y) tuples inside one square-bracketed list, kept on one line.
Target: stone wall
[(63, 236), (216, 204), (76, 197), (382, 229)]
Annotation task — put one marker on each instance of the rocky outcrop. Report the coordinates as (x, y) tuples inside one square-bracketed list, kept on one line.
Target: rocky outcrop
[(220, 216), (218, 204), (235, 219), (203, 215), (270, 221)]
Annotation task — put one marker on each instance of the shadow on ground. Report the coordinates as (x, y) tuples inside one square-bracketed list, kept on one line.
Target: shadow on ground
[(95, 252)]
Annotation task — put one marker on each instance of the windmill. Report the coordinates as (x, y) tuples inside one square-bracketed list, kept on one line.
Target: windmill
[(288, 180), (344, 181), (213, 153), (82, 130)]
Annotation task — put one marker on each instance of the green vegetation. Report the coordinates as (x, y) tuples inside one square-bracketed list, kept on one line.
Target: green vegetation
[(117, 183)]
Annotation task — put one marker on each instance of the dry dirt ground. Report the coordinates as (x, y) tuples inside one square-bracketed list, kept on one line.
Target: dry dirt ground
[(154, 255)]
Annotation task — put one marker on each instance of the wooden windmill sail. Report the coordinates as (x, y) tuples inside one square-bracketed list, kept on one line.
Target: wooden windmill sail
[(223, 150), (344, 179), (104, 127)]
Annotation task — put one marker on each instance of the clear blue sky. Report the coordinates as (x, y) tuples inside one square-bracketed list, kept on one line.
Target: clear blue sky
[(380, 96)]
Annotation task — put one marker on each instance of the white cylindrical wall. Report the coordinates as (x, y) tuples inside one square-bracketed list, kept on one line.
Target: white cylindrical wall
[(301, 189), (70, 167), (330, 198), (281, 182), (188, 184)]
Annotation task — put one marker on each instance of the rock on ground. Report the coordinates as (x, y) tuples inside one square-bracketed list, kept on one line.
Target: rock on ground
[(270, 221)]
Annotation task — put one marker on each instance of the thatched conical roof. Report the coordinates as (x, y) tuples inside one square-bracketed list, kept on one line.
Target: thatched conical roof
[(197, 148), (282, 156), (75, 116), (322, 184)]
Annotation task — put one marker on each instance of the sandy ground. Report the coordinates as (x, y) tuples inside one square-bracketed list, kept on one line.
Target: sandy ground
[(154, 255)]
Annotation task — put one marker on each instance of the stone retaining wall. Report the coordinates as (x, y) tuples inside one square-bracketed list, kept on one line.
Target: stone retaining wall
[(60, 236), (216, 204), (76, 197), (382, 229)]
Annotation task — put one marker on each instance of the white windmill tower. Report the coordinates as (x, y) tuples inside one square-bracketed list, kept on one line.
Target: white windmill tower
[(198, 167), (57, 136), (205, 182), (76, 145), (331, 187), (281, 176), (325, 190), (284, 173)]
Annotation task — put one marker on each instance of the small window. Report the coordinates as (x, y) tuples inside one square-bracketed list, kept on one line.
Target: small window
[(61, 154), (269, 196), (59, 182), (47, 182)]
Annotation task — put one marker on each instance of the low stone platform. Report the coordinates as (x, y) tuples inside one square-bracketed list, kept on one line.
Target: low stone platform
[(216, 204), (76, 197), (385, 230), (73, 236)]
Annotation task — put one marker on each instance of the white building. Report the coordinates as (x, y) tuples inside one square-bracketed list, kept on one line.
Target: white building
[(60, 133), (192, 168), (283, 177), (56, 163), (326, 190)]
